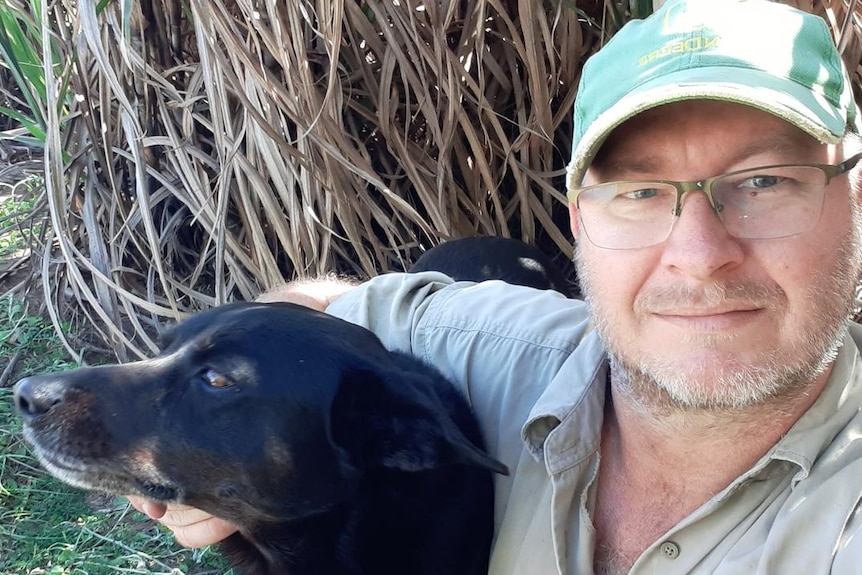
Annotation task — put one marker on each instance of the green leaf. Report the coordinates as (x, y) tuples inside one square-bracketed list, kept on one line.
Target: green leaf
[(640, 9)]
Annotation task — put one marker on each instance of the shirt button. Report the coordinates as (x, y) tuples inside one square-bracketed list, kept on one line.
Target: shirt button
[(670, 549)]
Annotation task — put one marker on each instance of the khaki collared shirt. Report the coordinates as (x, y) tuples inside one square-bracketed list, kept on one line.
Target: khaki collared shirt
[(536, 377)]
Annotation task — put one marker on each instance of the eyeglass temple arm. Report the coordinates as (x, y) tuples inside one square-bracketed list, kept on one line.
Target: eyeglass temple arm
[(847, 164)]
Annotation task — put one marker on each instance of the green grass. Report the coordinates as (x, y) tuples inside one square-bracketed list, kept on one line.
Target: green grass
[(47, 527), (29, 340), (17, 206)]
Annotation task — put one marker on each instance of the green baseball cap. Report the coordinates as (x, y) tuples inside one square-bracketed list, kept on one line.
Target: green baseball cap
[(752, 52)]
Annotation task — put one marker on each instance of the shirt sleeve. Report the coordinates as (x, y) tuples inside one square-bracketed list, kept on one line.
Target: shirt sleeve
[(391, 305), (417, 312), (500, 344)]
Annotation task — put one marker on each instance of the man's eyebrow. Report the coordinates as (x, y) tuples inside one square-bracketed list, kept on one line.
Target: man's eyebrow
[(792, 146), (786, 145)]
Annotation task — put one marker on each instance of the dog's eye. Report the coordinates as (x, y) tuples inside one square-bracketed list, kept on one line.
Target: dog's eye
[(216, 379)]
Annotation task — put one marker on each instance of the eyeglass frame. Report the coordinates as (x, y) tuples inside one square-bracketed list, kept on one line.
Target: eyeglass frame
[(831, 171)]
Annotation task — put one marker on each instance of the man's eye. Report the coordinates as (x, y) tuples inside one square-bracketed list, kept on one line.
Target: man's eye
[(642, 194), (215, 379), (760, 182)]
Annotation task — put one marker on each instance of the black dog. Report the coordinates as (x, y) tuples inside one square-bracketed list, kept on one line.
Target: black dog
[(482, 258), (332, 455)]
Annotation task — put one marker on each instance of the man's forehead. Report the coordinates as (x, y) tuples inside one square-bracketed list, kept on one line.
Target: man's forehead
[(644, 140), (674, 113)]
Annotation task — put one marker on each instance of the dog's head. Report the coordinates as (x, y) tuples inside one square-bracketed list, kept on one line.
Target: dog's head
[(251, 411)]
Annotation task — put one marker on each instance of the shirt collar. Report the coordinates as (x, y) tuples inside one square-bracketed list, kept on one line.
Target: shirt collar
[(577, 392), (837, 404)]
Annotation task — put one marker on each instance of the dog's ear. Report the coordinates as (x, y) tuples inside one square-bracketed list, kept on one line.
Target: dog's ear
[(375, 423)]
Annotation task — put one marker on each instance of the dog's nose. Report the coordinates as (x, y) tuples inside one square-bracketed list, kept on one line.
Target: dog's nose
[(35, 396)]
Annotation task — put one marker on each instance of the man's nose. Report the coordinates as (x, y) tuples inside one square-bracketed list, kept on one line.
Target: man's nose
[(699, 245)]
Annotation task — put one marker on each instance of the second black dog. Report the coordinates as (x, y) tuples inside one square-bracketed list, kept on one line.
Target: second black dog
[(331, 454), (482, 258)]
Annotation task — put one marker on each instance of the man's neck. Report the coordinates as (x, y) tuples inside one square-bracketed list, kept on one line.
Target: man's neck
[(681, 456)]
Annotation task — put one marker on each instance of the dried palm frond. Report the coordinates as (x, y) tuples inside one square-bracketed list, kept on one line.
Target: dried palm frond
[(217, 148)]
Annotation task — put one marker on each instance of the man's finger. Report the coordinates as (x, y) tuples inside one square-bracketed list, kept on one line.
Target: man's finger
[(150, 508), (208, 531), (191, 527)]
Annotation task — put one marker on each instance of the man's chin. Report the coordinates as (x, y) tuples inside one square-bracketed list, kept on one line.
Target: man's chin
[(708, 381)]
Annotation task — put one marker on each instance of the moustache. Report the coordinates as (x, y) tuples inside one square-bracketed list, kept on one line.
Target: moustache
[(740, 294)]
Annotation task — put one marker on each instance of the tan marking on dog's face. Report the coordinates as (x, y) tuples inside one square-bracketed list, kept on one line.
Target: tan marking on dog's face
[(141, 461)]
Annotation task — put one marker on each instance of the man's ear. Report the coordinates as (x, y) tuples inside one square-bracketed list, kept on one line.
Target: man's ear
[(377, 424)]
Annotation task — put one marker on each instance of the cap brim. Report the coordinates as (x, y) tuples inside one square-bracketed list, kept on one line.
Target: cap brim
[(781, 97)]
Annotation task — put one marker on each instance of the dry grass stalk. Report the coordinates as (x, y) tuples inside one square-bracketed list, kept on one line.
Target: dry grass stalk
[(218, 147)]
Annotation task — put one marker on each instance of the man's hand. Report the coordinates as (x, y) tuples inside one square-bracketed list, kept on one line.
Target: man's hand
[(315, 293), (191, 527)]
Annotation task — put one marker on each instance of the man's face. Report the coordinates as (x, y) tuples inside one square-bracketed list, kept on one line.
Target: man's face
[(705, 320)]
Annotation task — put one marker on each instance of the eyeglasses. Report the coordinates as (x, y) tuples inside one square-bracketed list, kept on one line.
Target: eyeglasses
[(759, 203)]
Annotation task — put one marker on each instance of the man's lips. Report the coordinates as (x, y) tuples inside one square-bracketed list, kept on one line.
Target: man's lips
[(709, 319), (702, 310)]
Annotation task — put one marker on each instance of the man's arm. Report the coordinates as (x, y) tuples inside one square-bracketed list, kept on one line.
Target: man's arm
[(314, 293)]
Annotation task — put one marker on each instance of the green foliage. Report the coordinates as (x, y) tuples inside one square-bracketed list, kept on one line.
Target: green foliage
[(640, 9), (622, 12), (23, 56)]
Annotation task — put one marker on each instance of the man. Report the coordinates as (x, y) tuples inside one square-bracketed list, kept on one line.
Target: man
[(709, 423)]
